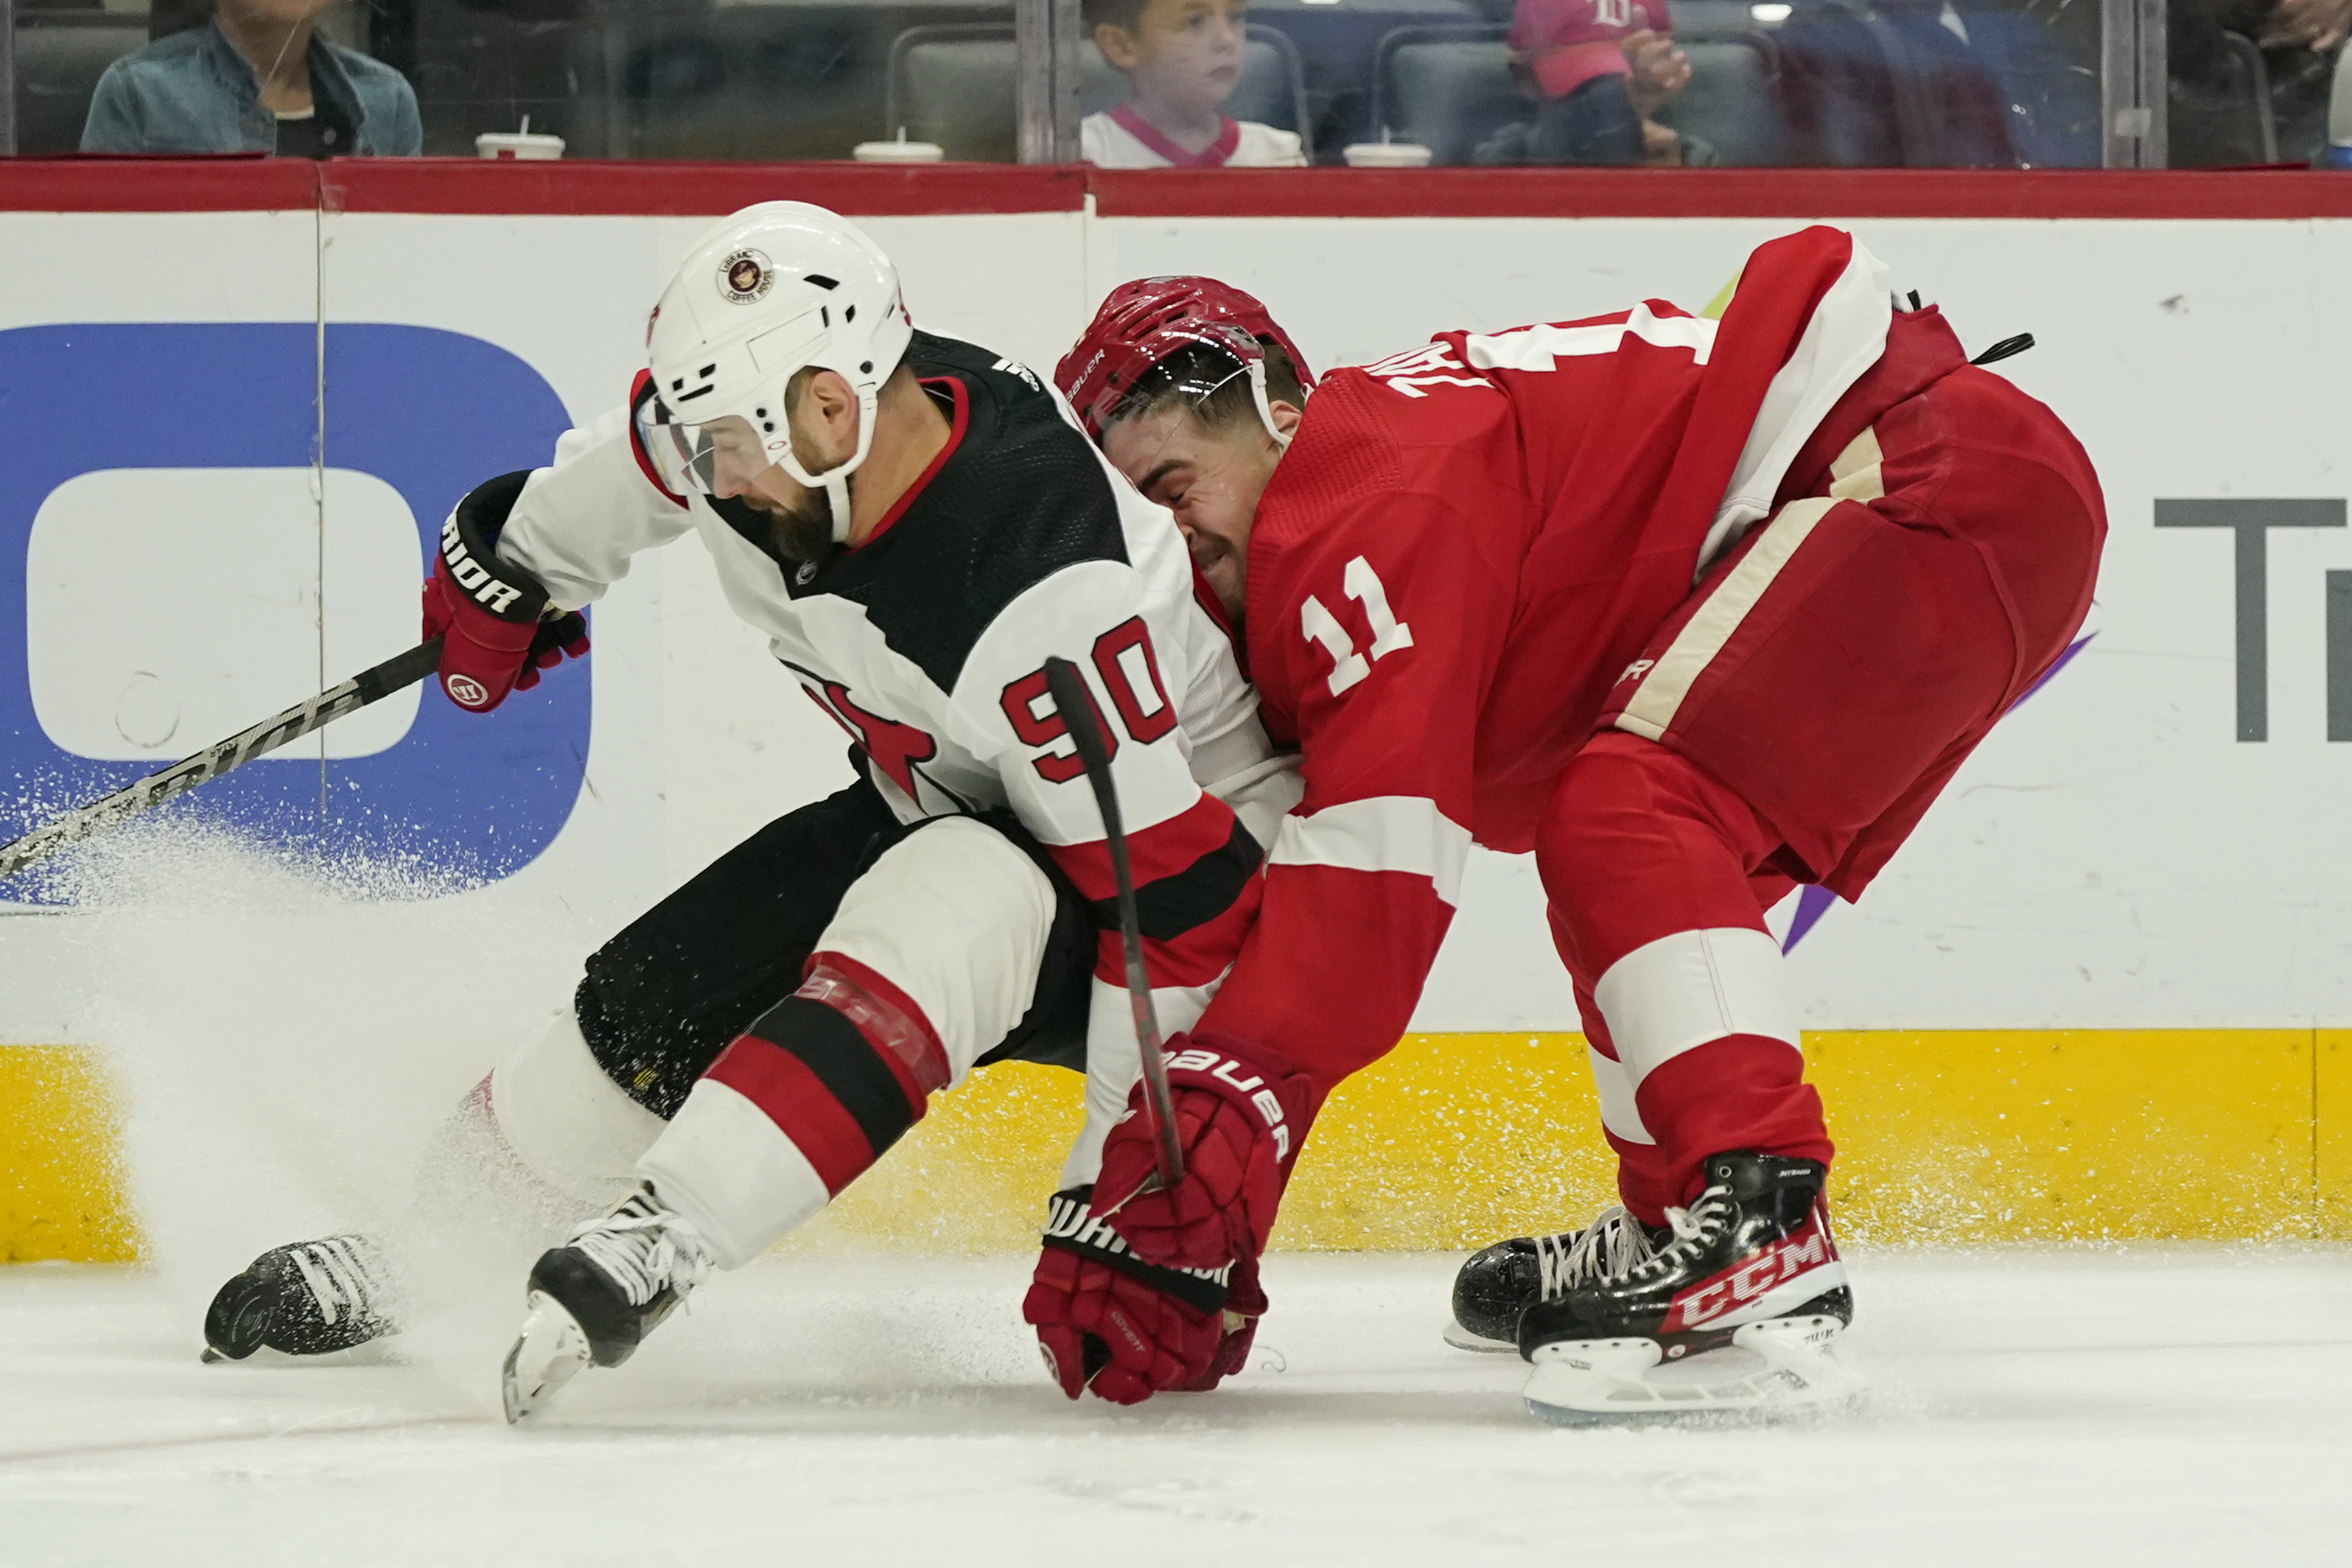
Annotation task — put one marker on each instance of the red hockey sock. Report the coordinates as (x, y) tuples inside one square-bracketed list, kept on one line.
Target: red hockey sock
[(1656, 876), (843, 1068)]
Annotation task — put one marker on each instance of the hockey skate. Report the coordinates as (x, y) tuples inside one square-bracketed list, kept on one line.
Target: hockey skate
[(1737, 1313), (1501, 1282), (595, 1299), (309, 1298)]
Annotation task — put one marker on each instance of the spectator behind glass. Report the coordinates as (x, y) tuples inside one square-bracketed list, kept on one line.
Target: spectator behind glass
[(257, 78), (1597, 71), (1181, 58)]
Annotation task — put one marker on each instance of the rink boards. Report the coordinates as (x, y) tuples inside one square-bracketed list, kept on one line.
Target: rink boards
[(2098, 993)]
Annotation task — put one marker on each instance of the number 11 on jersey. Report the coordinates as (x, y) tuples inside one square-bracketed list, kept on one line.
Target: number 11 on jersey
[(1348, 666)]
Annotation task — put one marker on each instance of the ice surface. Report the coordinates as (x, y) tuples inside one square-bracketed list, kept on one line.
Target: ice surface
[(2145, 1406)]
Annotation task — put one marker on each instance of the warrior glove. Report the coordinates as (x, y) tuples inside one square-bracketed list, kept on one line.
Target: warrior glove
[(492, 617), (1241, 1113), (1109, 1323)]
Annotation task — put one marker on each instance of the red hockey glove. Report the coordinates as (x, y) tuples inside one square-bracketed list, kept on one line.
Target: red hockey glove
[(1241, 1114), (491, 616), (1127, 1331)]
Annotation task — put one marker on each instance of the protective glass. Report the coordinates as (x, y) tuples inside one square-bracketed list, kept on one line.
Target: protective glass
[(710, 458)]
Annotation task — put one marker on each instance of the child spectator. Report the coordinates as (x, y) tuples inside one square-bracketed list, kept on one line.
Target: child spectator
[(1597, 71), (1182, 58), (257, 77)]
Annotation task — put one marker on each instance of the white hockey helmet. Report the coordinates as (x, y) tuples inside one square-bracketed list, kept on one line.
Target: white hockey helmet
[(777, 288)]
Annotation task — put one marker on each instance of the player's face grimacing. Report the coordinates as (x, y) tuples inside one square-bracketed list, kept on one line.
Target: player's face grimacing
[(1208, 476)]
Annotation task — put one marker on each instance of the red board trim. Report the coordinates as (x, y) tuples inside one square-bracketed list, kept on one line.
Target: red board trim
[(100, 184), (1718, 192), (594, 188)]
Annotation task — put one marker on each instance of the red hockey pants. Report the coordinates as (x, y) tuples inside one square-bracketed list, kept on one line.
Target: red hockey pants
[(1791, 722)]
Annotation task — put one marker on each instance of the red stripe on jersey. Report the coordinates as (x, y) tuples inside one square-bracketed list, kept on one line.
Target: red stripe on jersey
[(883, 1015), (1163, 849), (1196, 958), (803, 1109), (955, 389)]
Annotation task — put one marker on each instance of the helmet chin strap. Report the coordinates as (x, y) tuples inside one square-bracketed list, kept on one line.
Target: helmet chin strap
[(835, 481), (1264, 406), (836, 491)]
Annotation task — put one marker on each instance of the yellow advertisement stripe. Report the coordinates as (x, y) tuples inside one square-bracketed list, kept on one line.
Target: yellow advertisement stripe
[(1944, 1137), (61, 1194)]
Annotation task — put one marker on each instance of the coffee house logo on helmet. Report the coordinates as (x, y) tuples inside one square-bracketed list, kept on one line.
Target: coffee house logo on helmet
[(746, 275)]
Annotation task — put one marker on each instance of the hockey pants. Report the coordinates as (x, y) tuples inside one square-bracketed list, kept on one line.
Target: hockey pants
[(1790, 723), (761, 1037)]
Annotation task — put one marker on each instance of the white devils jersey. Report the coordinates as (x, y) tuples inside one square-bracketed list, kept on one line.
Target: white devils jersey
[(927, 645)]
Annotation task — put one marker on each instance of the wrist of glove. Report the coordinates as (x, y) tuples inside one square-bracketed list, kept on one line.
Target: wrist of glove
[(491, 616), (1241, 1113), (1113, 1325)]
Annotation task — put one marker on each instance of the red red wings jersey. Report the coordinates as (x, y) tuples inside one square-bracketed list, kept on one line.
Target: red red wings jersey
[(1567, 43), (1462, 550)]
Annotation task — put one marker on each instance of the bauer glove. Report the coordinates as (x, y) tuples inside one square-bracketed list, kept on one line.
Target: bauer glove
[(1241, 1113), (491, 616), (1108, 1322)]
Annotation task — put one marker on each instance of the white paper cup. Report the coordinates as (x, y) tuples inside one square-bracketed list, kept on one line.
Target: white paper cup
[(517, 144), (1387, 155), (898, 153)]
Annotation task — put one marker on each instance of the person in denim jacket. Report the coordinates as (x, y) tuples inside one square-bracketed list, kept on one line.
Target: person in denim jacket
[(255, 79)]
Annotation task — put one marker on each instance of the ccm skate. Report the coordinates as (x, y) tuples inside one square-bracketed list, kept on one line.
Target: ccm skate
[(595, 1299), (309, 1298), (1738, 1310), (1501, 1282)]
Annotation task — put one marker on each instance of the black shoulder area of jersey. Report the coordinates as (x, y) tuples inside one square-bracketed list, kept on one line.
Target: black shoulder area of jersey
[(1022, 495)]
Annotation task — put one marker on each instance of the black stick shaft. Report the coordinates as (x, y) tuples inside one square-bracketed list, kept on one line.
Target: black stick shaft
[(395, 673), (1079, 717)]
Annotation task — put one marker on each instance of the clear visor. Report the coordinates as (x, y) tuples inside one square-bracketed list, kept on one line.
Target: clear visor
[(1178, 391), (716, 456)]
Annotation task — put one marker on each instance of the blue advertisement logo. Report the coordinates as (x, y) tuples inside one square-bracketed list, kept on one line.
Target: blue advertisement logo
[(427, 412)]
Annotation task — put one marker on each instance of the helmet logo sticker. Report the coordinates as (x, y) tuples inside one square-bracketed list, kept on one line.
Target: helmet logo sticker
[(746, 276)]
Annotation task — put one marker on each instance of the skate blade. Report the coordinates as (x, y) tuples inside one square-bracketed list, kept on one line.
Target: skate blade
[(1785, 1370), (549, 1352), (1462, 1339)]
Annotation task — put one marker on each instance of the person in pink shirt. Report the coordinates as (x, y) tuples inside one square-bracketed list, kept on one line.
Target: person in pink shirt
[(1598, 70)]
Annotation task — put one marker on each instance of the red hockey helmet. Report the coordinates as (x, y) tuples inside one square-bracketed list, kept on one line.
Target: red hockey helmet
[(1144, 322)]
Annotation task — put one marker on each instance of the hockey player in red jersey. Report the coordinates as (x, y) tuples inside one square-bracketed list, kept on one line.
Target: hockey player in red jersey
[(916, 525), (1697, 610)]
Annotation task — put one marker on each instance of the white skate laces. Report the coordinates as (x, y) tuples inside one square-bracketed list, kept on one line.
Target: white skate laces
[(1612, 1245), (345, 1275), (644, 1248), (1694, 1228)]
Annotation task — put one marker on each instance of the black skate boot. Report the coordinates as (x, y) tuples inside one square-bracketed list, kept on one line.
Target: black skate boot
[(1501, 1282), (595, 1299), (1738, 1310), (307, 1299)]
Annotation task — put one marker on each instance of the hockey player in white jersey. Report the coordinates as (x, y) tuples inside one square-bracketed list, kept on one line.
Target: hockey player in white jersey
[(917, 524)]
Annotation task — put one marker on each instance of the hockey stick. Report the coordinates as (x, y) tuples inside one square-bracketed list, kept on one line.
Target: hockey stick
[(313, 713), (1078, 717)]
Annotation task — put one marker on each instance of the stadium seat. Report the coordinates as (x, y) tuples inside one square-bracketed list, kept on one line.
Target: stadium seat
[(1451, 88), (2253, 101), (61, 55), (954, 84), (1446, 87), (1732, 102)]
